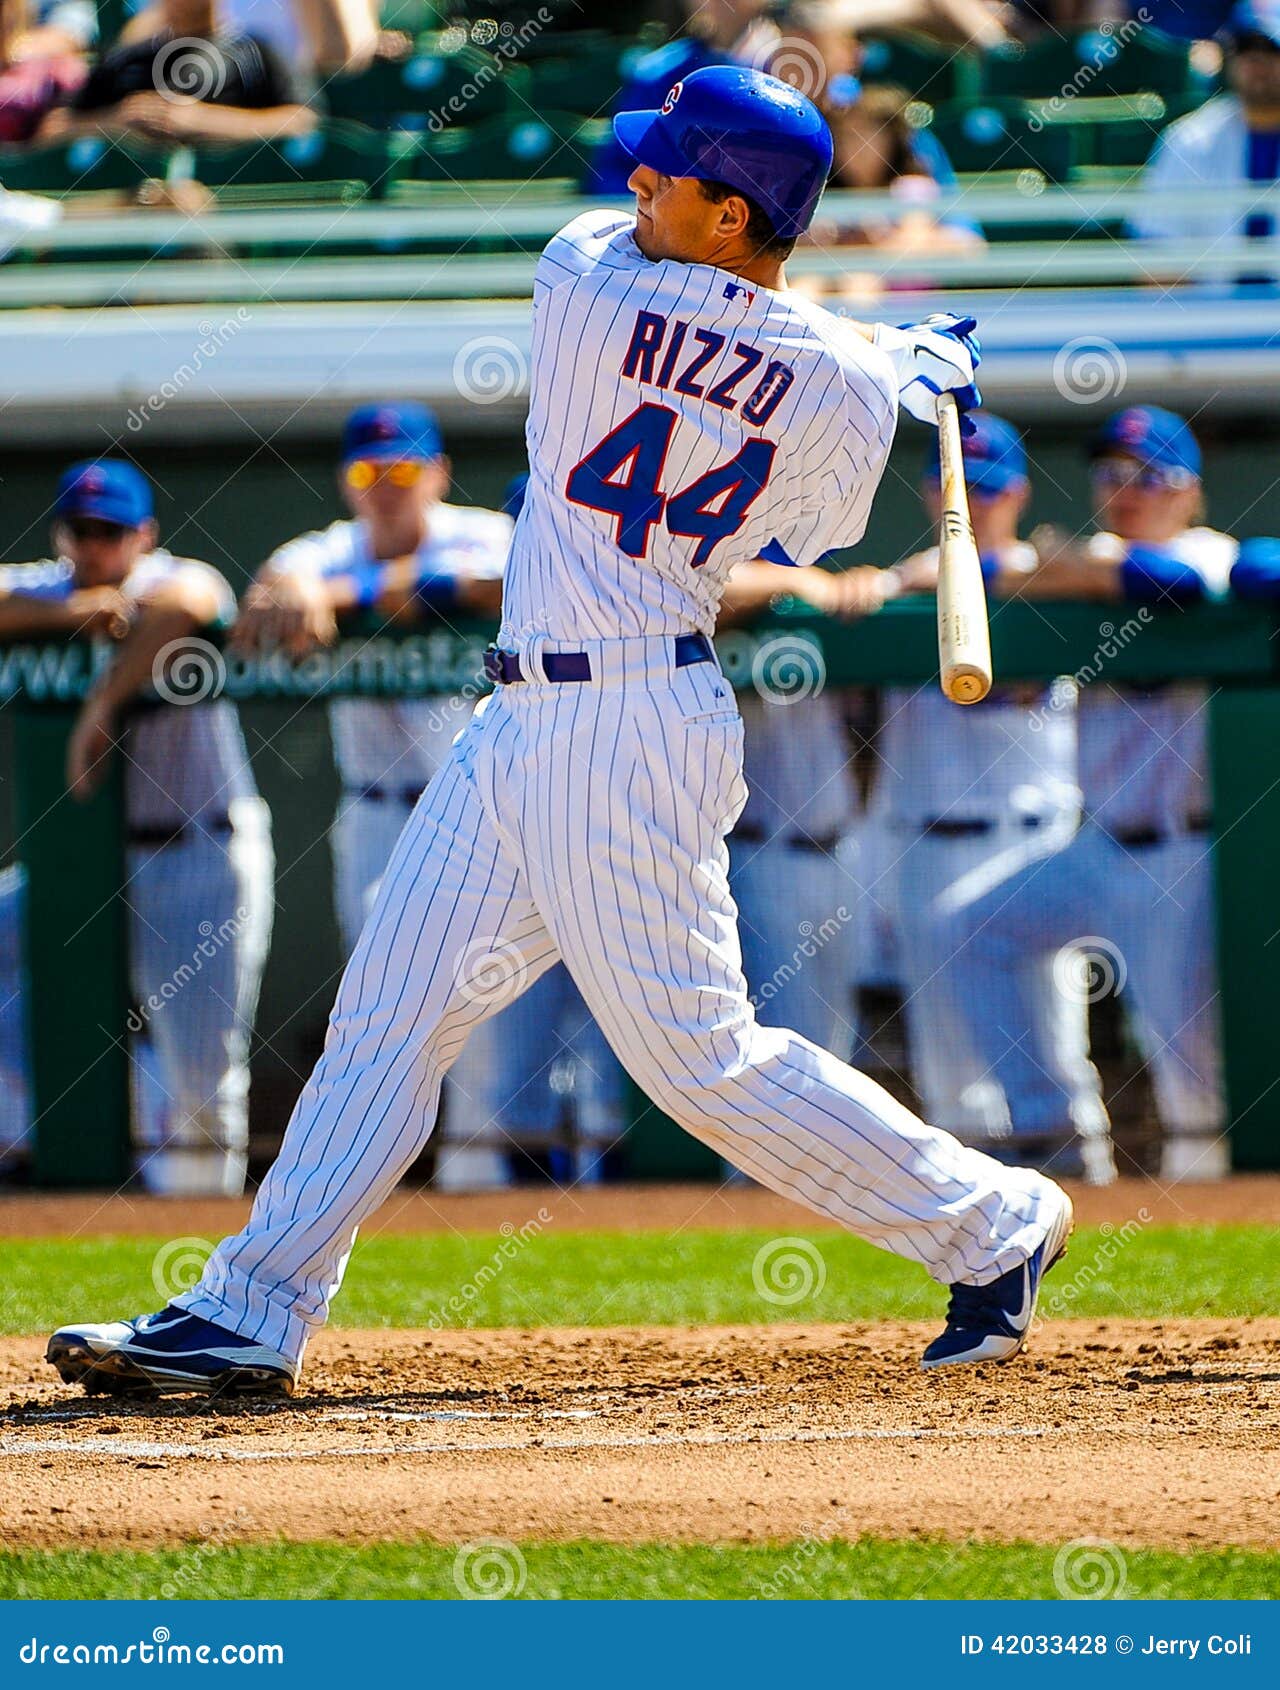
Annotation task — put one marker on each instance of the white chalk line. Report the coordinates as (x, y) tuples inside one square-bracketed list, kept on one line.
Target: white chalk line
[(133, 1449)]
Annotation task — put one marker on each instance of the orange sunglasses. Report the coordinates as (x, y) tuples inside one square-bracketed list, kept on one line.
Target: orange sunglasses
[(400, 472)]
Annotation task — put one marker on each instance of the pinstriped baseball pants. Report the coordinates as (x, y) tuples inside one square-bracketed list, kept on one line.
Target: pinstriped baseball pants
[(587, 821)]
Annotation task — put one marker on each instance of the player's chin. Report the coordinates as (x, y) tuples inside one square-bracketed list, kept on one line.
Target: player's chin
[(646, 235)]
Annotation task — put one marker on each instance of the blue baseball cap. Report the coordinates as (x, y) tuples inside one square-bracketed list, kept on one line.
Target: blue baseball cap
[(1158, 439), (392, 433), (1253, 17), (726, 123), (110, 489), (994, 457)]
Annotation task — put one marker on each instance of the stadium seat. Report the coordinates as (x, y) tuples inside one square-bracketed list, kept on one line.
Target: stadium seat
[(345, 158), (583, 74), (92, 162), (1003, 136), (1091, 65), (545, 144), (429, 90), (927, 71)]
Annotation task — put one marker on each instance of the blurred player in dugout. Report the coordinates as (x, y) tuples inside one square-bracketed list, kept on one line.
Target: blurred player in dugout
[(198, 857), (1133, 882), (405, 552), (967, 800)]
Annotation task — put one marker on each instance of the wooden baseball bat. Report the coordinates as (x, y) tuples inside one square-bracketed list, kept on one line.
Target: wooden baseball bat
[(964, 637)]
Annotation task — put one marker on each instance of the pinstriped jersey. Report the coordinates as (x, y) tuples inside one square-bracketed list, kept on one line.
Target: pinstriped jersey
[(400, 743), (1013, 759), (681, 420), (181, 762), (1144, 750)]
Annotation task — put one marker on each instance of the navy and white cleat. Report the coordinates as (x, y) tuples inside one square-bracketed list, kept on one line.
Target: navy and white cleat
[(991, 1322), (168, 1352)]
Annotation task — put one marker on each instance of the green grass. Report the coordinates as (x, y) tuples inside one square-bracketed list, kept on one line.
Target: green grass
[(806, 1569), (608, 1279)]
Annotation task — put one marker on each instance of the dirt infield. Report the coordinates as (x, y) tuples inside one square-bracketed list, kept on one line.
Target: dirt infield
[(1160, 1433), (1248, 1198)]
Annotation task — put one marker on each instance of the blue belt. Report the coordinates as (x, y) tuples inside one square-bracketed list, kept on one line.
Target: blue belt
[(503, 667)]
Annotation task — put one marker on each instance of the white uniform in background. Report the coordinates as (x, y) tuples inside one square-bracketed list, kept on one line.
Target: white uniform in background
[(1134, 885), (793, 868), (200, 896), (387, 751), (583, 813)]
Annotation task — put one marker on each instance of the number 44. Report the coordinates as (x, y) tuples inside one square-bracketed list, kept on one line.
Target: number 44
[(637, 451)]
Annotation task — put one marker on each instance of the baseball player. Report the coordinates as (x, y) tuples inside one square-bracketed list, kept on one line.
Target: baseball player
[(686, 413), (199, 858), (1133, 884), (970, 798), (405, 548)]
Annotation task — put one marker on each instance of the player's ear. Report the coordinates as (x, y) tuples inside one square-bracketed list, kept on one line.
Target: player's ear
[(148, 535)]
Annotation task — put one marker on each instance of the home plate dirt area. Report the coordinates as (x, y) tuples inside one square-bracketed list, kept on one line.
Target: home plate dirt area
[(1156, 1433), (1161, 1432)]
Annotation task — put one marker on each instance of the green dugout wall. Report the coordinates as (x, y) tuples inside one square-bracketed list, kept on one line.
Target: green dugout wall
[(75, 931)]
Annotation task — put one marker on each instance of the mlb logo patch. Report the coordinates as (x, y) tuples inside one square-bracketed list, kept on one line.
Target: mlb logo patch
[(668, 104)]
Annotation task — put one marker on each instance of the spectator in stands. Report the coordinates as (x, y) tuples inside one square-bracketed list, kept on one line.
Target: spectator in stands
[(189, 83), (718, 32), (1229, 142), (878, 149), (39, 69), (309, 35)]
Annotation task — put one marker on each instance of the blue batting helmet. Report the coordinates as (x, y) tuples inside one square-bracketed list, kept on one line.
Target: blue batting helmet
[(729, 124)]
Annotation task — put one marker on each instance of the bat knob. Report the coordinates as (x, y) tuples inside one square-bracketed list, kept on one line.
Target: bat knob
[(967, 687)]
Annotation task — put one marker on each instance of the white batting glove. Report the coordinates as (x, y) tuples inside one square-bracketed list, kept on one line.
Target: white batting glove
[(940, 355)]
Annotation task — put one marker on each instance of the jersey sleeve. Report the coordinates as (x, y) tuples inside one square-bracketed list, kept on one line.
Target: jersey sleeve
[(850, 441), (324, 553), (163, 569), (486, 559), (48, 581)]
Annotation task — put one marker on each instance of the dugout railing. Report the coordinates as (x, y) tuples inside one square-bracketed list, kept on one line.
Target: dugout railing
[(73, 853)]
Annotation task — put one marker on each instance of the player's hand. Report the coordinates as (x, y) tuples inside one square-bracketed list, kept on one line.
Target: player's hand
[(287, 613), (99, 610), (940, 355), (88, 750)]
